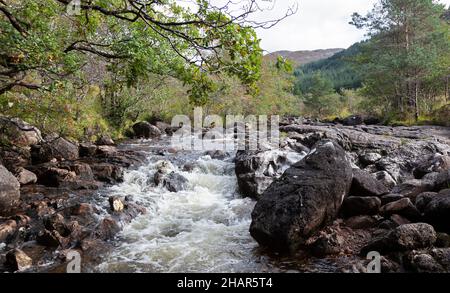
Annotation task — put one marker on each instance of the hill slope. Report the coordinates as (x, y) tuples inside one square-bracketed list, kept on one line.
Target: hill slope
[(304, 57)]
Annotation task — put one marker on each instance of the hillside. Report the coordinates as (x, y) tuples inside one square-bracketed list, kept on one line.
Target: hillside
[(337, 68), (304, 57)]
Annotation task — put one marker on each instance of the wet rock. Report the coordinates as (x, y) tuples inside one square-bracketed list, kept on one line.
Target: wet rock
[(108, 173), (443, 240), (364, 184), (116, 204), (51, 175), (87, 149), (17, 260), (327, 244), (105, 140), (18, 132), (256, 170), (356, 206), (412, 188), (83, 171), (146, 130), (106, 150), (369, 158), (107, 229), (353, 120), (421, 262), (437, 212), (50, 239), (59, 149), (57, 222), (388, 198), (403, 207), (307, 197), (435, 163), (386, 179), (25, 177), (361, 222), (9, 191), (7, 229), (403, 238)]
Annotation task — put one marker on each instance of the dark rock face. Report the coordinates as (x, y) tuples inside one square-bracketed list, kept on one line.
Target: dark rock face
[(429, 261), (403, 238), (353, 120), (146, 130), (105, 140), (256, 170), (307, 197), (403, 207), (18, 132), (356, 206), (59, 149), (435, 163), (9, 191), (436, 211), (17, 260), (364, 184)]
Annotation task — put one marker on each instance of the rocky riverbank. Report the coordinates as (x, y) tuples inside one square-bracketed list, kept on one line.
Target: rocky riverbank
[(49, 197), (360, 188)]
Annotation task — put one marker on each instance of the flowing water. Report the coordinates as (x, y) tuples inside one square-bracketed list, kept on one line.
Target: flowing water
[(202, 229)]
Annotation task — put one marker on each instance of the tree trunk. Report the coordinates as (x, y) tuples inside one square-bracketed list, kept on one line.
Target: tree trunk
[(416, 100)]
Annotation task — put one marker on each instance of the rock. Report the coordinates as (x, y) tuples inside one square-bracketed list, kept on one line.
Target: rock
[(51, 176), (403, 207), (356, 206), (175, 182), (14, 158), (386, 179), (18, 132), (437, 212), (81, 209), (353, 120), (388, 198), (7, 229), (9, 191), (403, 238), (442, 180), (399, 220), (108, 173), (412, 188), (371, 120), (361, 222), (105, 140), (420, 262), (365, 185), (17, 260), (442, 256), (307, 197), (423, 199), (26, 177), (106, 150), (435, 163), (146, 130), (50, 238), (443, 240), (107, 229), (87, 149), (59, 149), (369, 158), (256, 170), (115, 204), (56, 222), (327, 244), (163, 127)]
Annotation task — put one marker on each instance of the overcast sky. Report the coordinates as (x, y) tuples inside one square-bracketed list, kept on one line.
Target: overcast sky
[(319, 24)]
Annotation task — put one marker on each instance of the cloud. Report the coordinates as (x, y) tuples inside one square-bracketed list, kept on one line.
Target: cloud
[(318, 24)]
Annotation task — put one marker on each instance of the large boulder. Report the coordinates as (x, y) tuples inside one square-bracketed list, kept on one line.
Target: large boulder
[(256, 170), (403, 238), (436, 211), (434, 163), (59, 149), (364, 184), (19, 132), (356, 206), (9, 191), (307, 197), (146, 130)]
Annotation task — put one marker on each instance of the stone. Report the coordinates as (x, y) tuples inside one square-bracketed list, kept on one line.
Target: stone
[(17, 260), (386, 179), (403, 207), (59, 149), (26, 177), (355, 206), (435, 163), (369, 158), (364, 184), (87, 149), (361, 222), (7, 229), (388, 198), (9, 192), (116, 204), (412, 188), (437, 212), (306, 198), (18, 132), (108, 173), (146, 130), (107, 229), (403, 238), (105, 140)]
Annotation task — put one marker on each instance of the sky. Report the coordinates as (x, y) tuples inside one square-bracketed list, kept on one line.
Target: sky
[(318, 24)]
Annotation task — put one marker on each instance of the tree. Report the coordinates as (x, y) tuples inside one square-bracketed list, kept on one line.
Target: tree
[(409, 47), (42, 45)]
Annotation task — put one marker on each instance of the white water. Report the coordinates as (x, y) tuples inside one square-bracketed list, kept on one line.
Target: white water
[(202, 229)]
